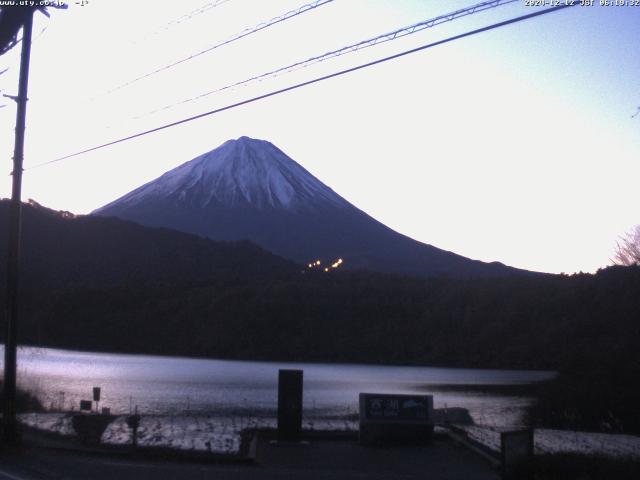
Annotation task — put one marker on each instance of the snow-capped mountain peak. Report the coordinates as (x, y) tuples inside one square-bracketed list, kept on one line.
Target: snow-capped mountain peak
[(241, 172)]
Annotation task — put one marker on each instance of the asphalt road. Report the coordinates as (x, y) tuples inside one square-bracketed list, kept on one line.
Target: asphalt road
[(440, 460)]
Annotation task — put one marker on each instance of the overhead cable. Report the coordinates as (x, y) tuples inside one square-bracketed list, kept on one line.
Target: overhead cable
[(385, 37), (244, 33), (187, 16), (310, 82)]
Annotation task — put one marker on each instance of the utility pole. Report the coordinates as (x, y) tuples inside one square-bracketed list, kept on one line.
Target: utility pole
[(10, 426)]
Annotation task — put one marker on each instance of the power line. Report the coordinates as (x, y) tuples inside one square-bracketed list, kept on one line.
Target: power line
[(244, 33), (385, 37), (187, 16), (310, 82)]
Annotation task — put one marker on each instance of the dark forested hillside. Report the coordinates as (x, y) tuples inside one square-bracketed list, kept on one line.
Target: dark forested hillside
[(89, 280), (356, 317), (60, 249)]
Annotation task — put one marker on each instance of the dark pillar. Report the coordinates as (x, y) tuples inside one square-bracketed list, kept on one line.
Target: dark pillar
[(517, 454), (289, 405)]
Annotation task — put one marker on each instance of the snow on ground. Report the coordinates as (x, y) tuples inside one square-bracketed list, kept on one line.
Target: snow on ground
[(182, 433), (220, 435), (59, 423), (204, 433), (563, 441)]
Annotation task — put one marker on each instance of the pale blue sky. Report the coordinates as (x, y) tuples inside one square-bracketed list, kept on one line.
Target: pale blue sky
[(516, 145)]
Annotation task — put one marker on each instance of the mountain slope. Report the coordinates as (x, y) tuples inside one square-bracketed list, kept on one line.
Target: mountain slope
[(61, 250), (249, 189)]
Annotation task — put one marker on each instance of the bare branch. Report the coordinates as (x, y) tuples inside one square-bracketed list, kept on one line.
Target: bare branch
[(628, 248)]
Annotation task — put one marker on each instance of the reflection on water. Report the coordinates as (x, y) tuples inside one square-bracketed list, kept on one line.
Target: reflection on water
[(172, 385)]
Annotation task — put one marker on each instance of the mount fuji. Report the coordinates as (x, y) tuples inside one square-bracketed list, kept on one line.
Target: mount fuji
[(248, 189)]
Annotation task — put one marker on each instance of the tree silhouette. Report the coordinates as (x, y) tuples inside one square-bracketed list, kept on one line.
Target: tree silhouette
[(12, 19), (628, 248)]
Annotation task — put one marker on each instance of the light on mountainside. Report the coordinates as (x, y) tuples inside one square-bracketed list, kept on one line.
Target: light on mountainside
[(317, 264)]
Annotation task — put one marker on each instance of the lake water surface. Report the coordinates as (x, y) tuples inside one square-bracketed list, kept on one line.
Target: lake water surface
[(174, 385)]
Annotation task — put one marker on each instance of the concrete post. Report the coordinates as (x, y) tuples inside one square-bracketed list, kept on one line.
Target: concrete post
[(289, 405)]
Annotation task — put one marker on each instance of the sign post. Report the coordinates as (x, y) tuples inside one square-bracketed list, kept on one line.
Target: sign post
[(96, 397), (133, 422)]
